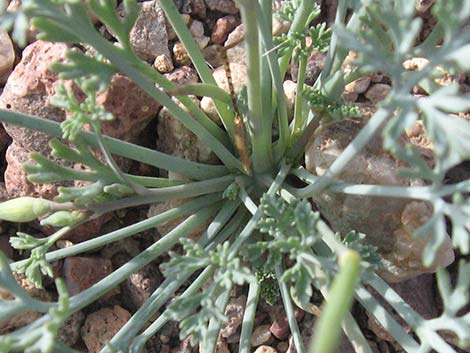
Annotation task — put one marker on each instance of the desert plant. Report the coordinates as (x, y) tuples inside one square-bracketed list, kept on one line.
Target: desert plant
[(257, 220)]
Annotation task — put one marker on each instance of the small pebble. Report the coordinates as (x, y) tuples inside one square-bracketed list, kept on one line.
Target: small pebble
[(180, 54), (163, 63), (261, 335), (265, 349)]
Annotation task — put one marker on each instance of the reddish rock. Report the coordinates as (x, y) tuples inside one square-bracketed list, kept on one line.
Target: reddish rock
[(261, 335), (29, 89), (224, 6), (82, 272), (183, 75), (280, 327), (140, 285), (102, 325), (223, 27), (132, 108), (69, 333)]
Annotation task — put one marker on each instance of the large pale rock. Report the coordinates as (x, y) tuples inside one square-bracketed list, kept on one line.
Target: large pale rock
[(7, 55), (149, 37), (388, 222)]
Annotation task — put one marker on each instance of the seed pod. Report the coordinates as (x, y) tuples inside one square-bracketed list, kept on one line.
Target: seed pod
[(24, 209)]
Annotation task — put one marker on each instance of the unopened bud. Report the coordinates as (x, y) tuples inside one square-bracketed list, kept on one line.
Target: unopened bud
[(24, 209), (62, 219)]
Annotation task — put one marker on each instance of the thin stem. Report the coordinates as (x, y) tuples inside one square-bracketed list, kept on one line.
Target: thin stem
[(299, 118), (148, 156), (197, 59), (259, 126), (215, 325), (125, 232), (249, 318), (289, 308), (164, 194)]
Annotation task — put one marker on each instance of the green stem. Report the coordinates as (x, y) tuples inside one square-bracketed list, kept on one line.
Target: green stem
[(299, 118), (340, 297), (197, 59), (289, 308), (157, 159), (259, 126), (249, 318), (126, 232), (164, 194)]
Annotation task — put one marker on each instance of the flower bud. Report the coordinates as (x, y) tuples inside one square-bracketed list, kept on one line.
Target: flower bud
[(24, 209), (62, 219)]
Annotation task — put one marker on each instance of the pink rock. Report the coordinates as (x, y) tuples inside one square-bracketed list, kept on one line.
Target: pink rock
[(183, 75), (102, 325), (280, 327), (82, 272), (223, 27)]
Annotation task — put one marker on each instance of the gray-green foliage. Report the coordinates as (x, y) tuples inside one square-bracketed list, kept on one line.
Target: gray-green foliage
[(259, 229)]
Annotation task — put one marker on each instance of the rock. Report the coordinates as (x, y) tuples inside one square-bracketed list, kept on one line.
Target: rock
[(196, 28), (315, 64), (69, 333), (17, 184), (234, 313), (237, 53), (102, 325), (350, 97), (387, 222), (183, 75), (29, 89), (180, 55), (81, 273), (415, 64), (131, 107), (377, 92), (280, 326), (213, 55), (7, 56), (27, 317), (238, 74), (140, 285), (280, 26), (261, 335), (149, 37), (358, 86), (171, 32), (202, 42), (198, 8), (265, 349), (224, 6), (163, 63), (223, 26)]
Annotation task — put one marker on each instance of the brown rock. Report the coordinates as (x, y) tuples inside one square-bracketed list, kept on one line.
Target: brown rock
[(82, 272), (102, 325), (132, 108), (224, 6), (196, 28), (27, 317), (140, 285), (213, 55), (377, 92), (183, 75), (265, 349), (236, 54), (223, 27), (261, 335), (180, 55), (7, 56), (234, 313), (358, 86), (315, 63), (198, 8), (69, 333)]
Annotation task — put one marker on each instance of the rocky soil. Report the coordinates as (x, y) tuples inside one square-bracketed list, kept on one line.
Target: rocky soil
[(27, 85)]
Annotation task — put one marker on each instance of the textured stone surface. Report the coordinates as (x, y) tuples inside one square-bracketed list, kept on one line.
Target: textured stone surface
[(261, 335), (149, 37), (224, 6), (163, 63), (7, 55), (140, 285), (69, 333), (223, 26), (82, 272), (27, 317), (377, 92), (180, 55), (237, 53), (265, 349), (358, 86), (183, 75), (388, 223), (102, 325), (234, 313)]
